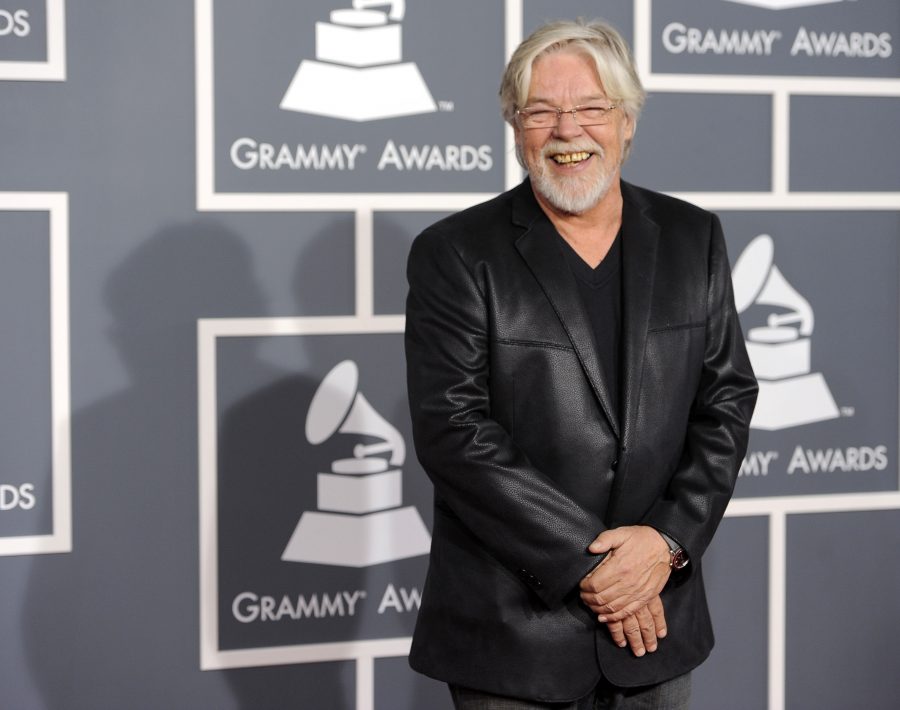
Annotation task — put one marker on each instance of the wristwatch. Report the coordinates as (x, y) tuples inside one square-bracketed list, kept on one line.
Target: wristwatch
[(678, 558)]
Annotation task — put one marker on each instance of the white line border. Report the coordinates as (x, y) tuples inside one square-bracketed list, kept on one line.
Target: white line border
[(744, 83), (54, 68), (780, 89), (208, 199), (211, 656), (60, 540)]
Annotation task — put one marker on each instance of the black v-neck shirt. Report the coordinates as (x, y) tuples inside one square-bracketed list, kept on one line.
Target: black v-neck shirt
[(601, 292)]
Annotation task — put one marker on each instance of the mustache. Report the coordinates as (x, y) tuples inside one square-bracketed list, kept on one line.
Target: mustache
[(583, 146)]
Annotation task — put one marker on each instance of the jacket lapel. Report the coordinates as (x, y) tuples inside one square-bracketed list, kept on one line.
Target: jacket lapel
[(540, 250), (640, 242)]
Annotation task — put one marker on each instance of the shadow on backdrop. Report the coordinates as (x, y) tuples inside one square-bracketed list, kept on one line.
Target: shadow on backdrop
[(114, 624), (266, 480)]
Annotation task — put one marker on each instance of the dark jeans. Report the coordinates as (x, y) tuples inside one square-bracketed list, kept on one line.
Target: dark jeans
[(674, 694)]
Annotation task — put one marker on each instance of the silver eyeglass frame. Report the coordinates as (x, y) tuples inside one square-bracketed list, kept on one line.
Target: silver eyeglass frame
[(522, 115)]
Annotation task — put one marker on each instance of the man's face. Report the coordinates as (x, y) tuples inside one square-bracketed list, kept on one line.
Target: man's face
[(572, 167)]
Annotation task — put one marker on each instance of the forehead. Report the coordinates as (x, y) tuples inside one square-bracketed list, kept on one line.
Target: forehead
[(564, 74)]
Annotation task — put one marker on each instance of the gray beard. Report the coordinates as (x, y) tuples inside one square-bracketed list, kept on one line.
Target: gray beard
[(572, 195)]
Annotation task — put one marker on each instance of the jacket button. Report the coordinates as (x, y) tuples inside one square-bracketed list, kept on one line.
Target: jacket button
[(614, 465)]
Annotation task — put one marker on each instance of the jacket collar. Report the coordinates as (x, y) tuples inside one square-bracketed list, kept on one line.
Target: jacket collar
[(538, 247), (640, 242)]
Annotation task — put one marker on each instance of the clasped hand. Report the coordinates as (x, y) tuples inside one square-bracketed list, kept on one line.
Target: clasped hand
[(623, 590)]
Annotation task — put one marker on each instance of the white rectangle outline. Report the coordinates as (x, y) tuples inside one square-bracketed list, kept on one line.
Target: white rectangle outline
[(749, 83), (780, 88), (60, 540), (54, 68), (210, 200), (211, 657)]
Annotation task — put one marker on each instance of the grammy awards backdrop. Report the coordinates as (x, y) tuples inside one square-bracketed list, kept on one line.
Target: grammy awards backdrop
[(208, 493)]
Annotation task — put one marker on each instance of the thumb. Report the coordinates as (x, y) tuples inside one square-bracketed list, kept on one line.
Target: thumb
[(606, 541)]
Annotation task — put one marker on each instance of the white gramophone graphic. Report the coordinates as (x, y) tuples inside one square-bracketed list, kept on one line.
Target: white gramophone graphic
[(789, 394), (359, 73), (359, 521)]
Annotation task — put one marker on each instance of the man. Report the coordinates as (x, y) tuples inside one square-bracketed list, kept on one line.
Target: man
[(580, 397)]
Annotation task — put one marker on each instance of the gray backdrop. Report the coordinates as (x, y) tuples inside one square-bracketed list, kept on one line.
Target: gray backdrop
[(172, 300)]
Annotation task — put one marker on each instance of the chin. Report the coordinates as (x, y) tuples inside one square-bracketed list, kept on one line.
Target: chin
[(574, 195)]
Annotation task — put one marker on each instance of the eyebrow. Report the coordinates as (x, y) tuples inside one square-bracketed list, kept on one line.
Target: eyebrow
[(531, 100)]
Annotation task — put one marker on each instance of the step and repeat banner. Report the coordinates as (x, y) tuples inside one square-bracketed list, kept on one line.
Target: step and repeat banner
[(208, 492)]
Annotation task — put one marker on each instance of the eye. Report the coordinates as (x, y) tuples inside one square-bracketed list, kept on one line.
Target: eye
[(539, 117), (593, 113)]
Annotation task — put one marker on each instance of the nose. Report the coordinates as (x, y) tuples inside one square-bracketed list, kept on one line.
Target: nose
[(567, 127)]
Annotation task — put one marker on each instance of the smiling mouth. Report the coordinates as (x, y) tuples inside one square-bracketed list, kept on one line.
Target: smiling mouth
[(570, 158)]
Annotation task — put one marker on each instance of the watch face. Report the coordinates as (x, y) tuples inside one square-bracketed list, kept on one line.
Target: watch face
[(679, 559)]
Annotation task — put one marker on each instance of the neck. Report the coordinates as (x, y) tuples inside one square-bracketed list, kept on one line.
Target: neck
[(592, 232)]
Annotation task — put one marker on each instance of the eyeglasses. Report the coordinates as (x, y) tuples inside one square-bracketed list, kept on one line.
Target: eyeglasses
[(589, 115)]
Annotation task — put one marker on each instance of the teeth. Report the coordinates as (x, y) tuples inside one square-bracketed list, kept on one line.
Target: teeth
[(564, 158)]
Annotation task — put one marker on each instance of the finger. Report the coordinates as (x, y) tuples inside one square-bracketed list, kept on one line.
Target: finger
[(655, 607), (615, 612), (633, 636), (590, 603), (648, 628), (615, 594), (618, 634), (596, 582), (594, 608), (597, 604), (620, 598), (607, 540), (609, 583)]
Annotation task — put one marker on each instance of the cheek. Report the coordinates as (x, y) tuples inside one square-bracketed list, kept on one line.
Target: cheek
[(531, 145), (532, 151), (615, 145)]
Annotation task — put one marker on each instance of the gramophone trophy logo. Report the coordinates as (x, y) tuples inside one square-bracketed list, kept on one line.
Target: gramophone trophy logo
[(359, 73), (360, 520), (790, 394)]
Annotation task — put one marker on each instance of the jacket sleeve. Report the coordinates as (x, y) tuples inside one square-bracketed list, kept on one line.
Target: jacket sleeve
[(515, 512), (718, 425)]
